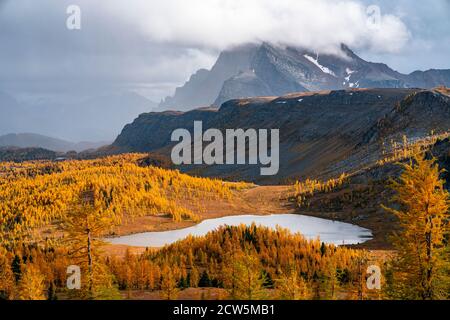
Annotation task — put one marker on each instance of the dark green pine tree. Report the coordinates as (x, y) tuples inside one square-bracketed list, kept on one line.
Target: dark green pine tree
[(205, 280), (16, 267)]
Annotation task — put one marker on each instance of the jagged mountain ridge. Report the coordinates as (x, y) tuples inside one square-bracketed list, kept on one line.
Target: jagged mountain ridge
[(269, 70), (322, 134), (203, 86)]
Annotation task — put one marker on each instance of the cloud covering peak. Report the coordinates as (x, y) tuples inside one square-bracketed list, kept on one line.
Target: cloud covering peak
[(155, 45), (320, 25)]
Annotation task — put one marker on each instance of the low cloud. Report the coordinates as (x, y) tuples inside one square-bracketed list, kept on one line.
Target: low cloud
[(157, 45), (320, 24)]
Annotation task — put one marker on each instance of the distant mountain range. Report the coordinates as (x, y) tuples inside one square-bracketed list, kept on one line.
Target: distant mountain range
[(322, 134), (26, 154), (95, 118), (30, 140), (269, 70)]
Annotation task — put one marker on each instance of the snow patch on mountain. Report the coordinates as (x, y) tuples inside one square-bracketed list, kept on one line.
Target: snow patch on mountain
[(354, 85), (347, 79), (349, 74), (321, 67)]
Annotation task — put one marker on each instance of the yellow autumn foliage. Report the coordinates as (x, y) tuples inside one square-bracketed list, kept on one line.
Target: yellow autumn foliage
[(36, 194)]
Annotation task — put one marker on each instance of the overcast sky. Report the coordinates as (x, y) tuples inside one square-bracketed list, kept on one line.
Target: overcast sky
[(153, 46)]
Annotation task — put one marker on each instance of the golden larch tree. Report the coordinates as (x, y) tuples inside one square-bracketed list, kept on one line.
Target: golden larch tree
[(419, 271), (248, 278), (85, 224), (292, 286), (7, 281), (32, 284), (169, 290)]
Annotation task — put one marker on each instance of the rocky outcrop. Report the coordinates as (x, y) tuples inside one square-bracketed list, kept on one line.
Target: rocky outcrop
[(416, 116)]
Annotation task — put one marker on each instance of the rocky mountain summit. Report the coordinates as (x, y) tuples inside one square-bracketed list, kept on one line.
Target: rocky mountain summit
[(270, 70)]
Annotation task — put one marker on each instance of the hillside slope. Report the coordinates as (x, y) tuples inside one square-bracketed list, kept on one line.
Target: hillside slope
[(358, 200), (322, 134), (14, 154)]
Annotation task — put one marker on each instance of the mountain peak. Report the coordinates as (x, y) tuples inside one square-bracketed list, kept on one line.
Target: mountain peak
[(267, 69)]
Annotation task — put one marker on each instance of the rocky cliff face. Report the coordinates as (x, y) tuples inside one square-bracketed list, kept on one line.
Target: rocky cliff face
[(204, 86), (322, 134), (269, 70)]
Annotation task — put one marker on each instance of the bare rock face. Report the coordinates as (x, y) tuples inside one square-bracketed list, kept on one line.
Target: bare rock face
[(322, 134), (270, 70), (204, 86)]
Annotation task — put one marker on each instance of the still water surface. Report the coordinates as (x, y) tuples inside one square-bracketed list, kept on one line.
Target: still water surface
[(327, 230)]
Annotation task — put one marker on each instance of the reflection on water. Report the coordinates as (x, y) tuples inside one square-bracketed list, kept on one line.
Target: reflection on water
[(327, 230)]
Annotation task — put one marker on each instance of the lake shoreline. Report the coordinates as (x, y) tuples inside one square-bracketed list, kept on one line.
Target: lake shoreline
[(330, 232), (258, 200), (264, 200)]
